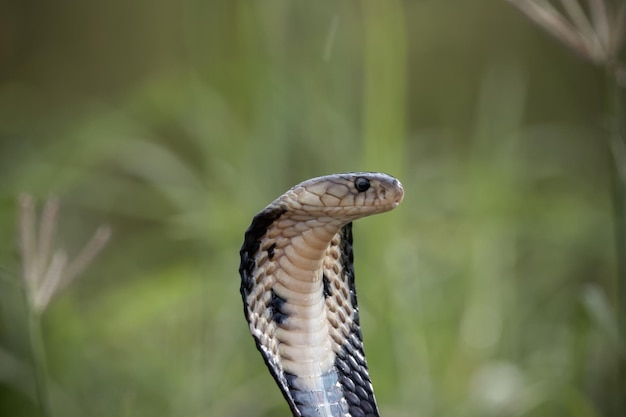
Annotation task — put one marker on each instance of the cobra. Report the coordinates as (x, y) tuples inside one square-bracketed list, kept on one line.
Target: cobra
[(299, 295)]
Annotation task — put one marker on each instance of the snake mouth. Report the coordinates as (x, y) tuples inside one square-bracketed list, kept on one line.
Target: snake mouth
[(399, 193)]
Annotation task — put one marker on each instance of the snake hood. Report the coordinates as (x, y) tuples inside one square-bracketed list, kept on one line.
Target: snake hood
[(299, 294)]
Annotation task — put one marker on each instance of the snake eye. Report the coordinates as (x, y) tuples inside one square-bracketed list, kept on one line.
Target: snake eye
[(361, 184)]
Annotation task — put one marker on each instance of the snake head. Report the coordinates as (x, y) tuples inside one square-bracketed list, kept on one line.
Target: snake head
[(345, 197)]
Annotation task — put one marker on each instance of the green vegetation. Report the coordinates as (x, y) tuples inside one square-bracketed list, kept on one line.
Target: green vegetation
[(493, 290)]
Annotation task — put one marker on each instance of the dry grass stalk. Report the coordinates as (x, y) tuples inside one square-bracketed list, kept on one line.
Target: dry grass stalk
[(47, 273), (598, 37)]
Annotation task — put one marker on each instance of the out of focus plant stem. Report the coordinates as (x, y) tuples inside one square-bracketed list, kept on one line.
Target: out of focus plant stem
[(617, 141), (596, 31), (45, 273)]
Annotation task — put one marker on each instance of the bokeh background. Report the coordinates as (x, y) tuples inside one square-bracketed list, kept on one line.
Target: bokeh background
[(491, 291)]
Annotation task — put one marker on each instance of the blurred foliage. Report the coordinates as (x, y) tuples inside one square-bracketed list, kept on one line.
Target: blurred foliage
[(491, 291)]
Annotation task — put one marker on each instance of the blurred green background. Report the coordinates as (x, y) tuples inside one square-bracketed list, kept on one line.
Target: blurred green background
[(491, 291)]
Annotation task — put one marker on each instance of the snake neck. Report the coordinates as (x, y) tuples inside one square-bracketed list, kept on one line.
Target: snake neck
[(300, 301), (303, 330)]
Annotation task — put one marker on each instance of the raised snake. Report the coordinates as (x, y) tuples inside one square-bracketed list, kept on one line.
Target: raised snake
[(299, 295)]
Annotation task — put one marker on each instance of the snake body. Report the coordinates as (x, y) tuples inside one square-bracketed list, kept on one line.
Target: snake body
[(299, 296)]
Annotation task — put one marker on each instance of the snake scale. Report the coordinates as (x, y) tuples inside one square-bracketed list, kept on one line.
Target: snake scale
[(299, 295)]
